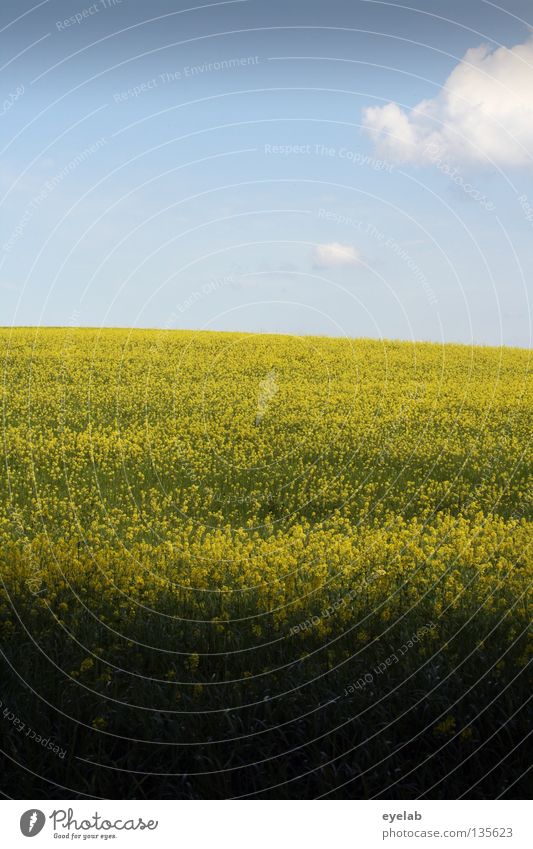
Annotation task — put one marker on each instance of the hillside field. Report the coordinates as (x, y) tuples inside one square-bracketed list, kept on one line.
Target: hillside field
[(263, 566)]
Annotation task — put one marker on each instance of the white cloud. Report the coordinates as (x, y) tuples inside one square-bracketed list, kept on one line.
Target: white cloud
[(483, 112), (334, 255)]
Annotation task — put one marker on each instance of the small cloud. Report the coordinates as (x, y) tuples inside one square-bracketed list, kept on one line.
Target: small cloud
[(335, 255), (483, 112)]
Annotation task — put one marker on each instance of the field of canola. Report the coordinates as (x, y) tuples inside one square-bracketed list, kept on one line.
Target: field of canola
[(266, 566)]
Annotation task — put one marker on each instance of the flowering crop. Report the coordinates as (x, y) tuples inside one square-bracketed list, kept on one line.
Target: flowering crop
[(193, 522)]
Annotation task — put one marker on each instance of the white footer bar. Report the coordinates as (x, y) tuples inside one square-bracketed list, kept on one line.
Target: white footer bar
[(267, 824)]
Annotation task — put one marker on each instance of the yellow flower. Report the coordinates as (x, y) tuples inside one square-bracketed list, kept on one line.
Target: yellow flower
[(447, 727)]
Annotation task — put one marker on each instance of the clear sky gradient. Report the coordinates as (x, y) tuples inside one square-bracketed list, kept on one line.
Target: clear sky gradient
[(337, 168)]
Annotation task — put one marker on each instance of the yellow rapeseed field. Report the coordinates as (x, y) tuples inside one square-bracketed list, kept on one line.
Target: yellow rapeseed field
[(192, 522)]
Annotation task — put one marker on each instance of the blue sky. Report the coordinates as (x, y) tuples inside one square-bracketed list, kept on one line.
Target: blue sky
[(336, 168)]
